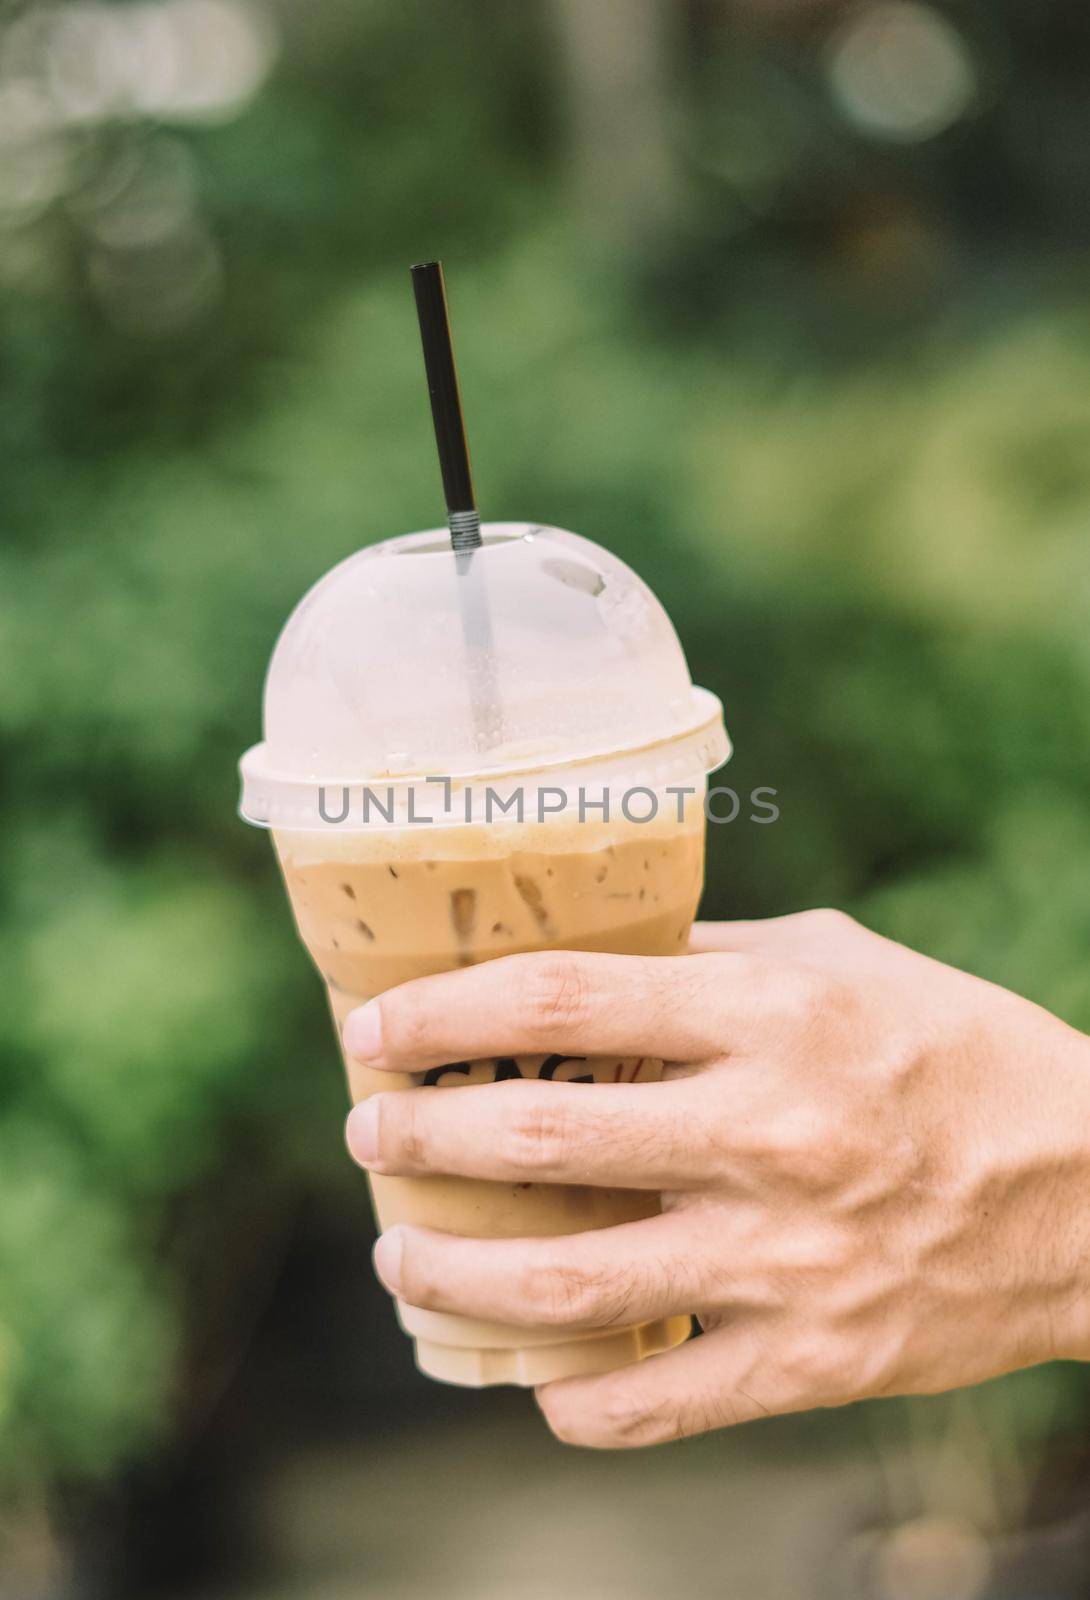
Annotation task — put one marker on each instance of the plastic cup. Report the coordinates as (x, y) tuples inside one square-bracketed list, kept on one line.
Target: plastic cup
[(468, 758)]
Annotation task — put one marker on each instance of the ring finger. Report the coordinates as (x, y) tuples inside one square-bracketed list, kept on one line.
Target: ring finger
[(610, 1277)]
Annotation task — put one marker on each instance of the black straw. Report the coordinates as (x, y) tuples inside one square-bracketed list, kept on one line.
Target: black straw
[(446, 405)]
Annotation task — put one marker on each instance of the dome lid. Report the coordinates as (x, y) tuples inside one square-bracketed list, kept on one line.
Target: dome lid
[(539, 649)]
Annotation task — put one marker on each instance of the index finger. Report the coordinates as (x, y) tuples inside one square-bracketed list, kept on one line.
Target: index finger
[(579, 1002)]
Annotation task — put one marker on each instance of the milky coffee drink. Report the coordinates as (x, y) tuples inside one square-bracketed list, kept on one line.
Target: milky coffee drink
[(381, 897), (408, 904)]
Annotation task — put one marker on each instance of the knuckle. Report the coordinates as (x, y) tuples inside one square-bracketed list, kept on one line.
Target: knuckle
[(612, 1412), (554, 996), (628, 1416), (826, 922), (815, 1260), (564, 1292), (809, 1150), (539, 1136), (816, 1368), (805, 1000), (834, 1363), (711, 973)]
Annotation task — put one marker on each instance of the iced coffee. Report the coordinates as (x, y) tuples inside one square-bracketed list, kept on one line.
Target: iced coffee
[(418, 901), (589, 699)]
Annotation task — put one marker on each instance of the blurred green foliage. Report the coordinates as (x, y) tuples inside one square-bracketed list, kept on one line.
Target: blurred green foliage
[(831, 400)]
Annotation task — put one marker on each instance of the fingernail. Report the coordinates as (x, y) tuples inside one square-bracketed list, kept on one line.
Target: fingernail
[(361, 1131), (363, 1032), (387, 1258)]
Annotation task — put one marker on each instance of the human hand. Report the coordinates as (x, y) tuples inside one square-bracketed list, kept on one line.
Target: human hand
[(874, 1168)]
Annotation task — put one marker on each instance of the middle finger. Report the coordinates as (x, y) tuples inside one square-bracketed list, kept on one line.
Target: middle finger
[(636, 1136), (611, 1277)]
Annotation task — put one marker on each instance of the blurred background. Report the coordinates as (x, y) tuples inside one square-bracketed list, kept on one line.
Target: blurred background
[(785, 301)]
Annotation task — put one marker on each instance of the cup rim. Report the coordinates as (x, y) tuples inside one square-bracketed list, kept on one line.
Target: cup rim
[(272, 798)]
